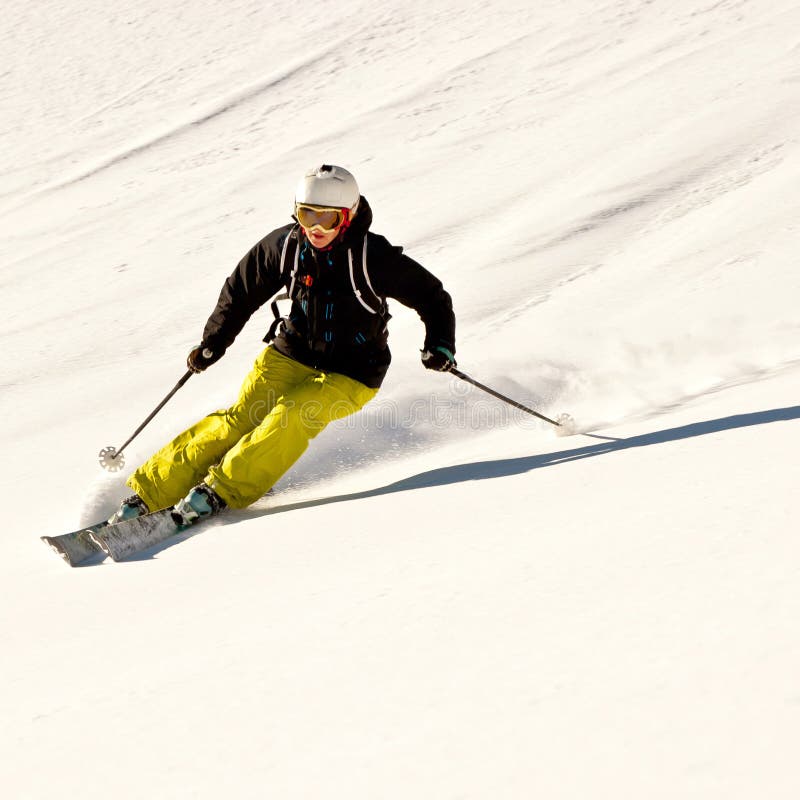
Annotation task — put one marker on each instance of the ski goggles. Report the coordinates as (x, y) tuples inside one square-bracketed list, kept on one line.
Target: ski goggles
[(328, 219)]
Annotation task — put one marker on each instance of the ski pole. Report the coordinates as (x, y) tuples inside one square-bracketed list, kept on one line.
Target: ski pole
[(110, 458), (459, 374)]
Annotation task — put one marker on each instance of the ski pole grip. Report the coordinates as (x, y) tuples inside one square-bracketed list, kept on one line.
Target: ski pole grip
[(207, 352)]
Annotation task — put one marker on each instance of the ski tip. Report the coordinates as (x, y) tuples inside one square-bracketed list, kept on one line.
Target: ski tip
[(57, 549)]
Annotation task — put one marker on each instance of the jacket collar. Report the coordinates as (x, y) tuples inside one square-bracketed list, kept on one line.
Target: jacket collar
[(359, 226)]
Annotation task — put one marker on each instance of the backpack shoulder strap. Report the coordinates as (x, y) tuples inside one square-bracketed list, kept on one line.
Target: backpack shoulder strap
[(359, 278), (290, 254)]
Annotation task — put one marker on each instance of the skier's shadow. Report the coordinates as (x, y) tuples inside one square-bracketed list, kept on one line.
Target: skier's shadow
[(501, 468)]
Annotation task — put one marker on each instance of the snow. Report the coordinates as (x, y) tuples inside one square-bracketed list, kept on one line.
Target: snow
[(443, 599)]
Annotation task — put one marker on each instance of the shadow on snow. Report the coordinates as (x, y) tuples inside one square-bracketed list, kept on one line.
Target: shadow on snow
[(501, 468)]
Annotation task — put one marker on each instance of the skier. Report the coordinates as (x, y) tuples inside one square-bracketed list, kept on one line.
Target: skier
[(324, 361)]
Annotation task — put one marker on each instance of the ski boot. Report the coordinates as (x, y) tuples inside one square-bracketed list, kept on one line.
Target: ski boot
[(130, 507), (201, 502)]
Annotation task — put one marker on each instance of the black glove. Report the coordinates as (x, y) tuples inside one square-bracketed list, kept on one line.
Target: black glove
[(440, 359), (202, 357)]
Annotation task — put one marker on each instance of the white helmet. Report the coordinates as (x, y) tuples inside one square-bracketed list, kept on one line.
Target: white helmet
[(330, 186)]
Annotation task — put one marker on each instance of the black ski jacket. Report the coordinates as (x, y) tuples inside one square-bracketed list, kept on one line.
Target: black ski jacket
[(328, 328)]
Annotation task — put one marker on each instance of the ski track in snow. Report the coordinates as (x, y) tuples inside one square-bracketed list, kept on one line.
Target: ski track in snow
[(136, 91), (234, 101)]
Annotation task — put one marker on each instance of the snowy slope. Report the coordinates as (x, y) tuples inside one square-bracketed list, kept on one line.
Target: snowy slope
[(443, 599)]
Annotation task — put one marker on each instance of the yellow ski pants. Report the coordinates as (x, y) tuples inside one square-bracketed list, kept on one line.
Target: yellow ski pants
[(242, 451)]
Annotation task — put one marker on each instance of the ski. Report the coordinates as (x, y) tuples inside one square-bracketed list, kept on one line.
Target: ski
[(125, 539), (76, 547)]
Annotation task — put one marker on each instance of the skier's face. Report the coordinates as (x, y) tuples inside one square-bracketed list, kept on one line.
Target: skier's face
[(319, 238)]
